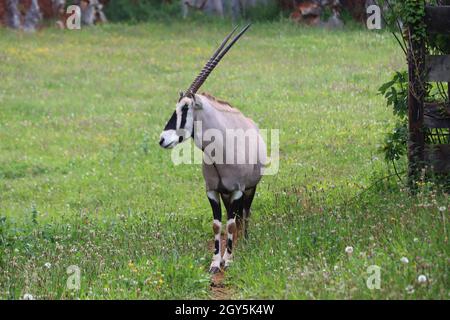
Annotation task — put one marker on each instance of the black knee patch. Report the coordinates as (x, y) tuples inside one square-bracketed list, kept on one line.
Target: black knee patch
[(216, 247), (229, 245), (236, 208), (217, 214)]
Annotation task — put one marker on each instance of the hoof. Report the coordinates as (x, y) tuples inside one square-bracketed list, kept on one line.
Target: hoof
[(214, 270), (227, 265)]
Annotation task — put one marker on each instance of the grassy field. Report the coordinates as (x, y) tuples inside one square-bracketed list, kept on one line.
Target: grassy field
[(84, 182)]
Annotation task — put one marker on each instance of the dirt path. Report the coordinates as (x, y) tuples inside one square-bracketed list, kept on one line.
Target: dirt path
[(220, 291)]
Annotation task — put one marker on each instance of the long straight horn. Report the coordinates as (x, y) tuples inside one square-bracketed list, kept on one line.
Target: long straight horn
[(212, 63), (224, 42)]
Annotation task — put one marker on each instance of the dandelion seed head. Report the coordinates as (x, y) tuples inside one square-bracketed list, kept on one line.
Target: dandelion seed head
[(28, 296), (422, 278), (404, 260), (349, 250)]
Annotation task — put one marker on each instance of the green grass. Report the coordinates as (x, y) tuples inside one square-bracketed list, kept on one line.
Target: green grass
[(83, 181)]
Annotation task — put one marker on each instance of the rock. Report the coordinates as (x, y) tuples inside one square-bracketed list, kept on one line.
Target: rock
[(92, 12), (310, 12), (27, 14), (334, 22), (13, 14), (307, 12), (211, 7), (33, 17)]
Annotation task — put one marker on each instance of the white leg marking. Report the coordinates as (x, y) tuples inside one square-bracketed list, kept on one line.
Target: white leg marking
[(217, 226), (217, 256), (228, 257), (236, 195), (231, 228), (213, 195)]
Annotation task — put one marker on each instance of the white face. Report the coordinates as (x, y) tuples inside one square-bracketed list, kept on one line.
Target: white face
[(180, 126)]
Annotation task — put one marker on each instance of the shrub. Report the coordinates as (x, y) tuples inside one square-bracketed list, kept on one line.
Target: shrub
[(142, 10)]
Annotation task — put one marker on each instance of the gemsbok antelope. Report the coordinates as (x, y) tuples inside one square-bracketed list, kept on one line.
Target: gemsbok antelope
[(232, 180)]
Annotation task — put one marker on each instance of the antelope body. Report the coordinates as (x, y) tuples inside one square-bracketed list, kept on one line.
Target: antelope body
[(228, 176), (234, 182)]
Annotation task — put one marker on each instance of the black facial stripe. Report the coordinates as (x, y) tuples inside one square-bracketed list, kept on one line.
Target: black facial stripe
[(183, 117), (172, 124)]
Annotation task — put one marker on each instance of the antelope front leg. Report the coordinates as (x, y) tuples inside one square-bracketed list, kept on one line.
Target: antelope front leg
[(234, 208), (214, 200)]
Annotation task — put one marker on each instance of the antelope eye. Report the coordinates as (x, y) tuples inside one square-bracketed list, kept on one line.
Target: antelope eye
[(185, 106)]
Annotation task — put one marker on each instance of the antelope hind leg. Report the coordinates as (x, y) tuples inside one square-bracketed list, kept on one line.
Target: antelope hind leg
[(247, 203), (235, 208)]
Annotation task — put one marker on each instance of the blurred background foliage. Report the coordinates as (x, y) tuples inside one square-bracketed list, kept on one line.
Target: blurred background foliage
[(311, 12)]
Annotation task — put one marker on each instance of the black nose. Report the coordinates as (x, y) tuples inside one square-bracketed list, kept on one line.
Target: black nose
[(161, 141)]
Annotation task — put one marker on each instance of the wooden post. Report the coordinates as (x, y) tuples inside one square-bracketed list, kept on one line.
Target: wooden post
[(437, 69), (437, 19), (416, 145)]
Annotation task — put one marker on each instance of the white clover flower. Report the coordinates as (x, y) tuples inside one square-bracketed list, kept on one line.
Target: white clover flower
[(48, 265), (349, 250), (422, 278), (442, 209), (28, 296), (404, 260)]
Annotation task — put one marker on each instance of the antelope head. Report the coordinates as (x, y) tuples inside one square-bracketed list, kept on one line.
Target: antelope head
[(180, 126)]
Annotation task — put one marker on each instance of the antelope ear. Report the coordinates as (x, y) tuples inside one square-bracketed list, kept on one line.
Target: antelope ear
[(181, 96)]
